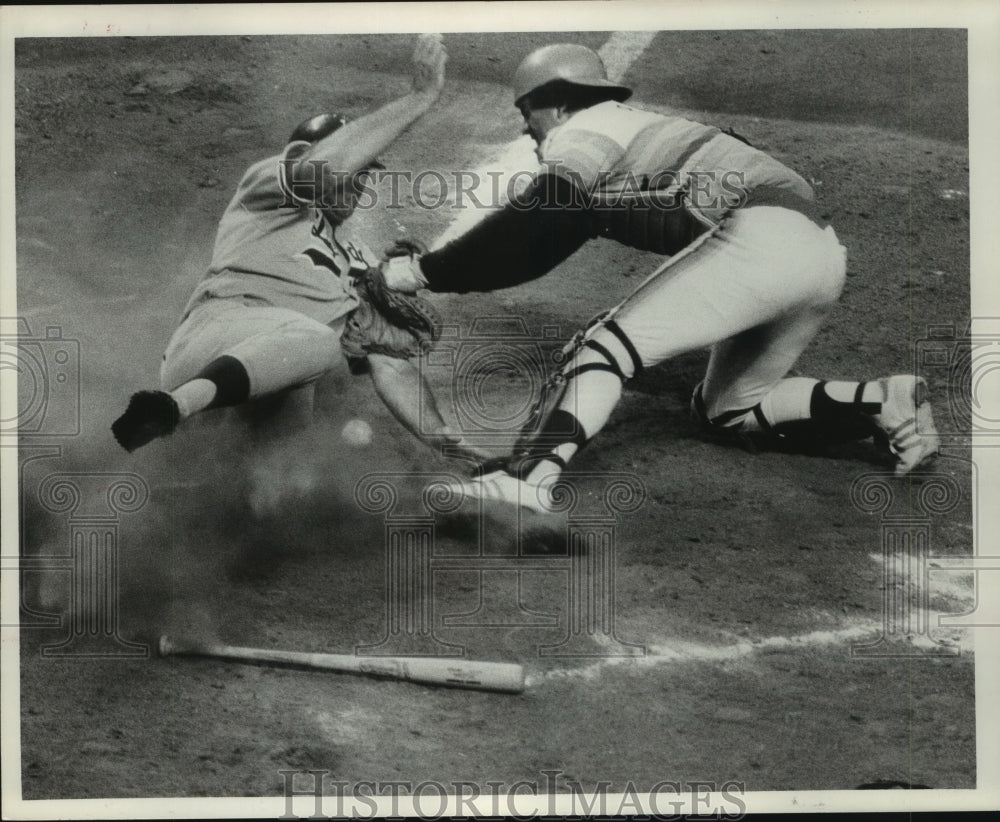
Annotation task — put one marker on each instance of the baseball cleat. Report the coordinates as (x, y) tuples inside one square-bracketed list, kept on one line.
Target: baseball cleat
[(907, 421), (499, 486), (150, 414)]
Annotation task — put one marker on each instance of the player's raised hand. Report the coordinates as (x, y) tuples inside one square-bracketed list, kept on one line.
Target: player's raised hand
[(429, 58)]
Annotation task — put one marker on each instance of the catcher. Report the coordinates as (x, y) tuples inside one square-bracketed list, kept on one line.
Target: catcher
[(752, 270), (290, 294)]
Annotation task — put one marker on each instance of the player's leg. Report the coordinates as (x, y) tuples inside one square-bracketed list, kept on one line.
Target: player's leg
[(693, 301), (765, 280), (760, 265), (806, 412), (745, 390), (224, 354), (587, 390), (194, 374), (245, 352)]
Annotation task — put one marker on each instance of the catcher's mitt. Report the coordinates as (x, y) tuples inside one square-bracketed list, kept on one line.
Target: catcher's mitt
[(389, 322)]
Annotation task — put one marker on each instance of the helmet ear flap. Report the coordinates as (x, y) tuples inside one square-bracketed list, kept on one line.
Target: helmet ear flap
[(318, 127)]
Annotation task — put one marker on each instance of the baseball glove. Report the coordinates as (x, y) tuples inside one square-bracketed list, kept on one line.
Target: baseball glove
[(389, 322)]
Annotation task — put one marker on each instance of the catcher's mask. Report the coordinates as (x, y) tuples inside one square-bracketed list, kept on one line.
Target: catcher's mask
[(322, 125), (566, 63)]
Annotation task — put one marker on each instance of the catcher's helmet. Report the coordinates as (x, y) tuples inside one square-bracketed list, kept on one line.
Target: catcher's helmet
[(566, 62)]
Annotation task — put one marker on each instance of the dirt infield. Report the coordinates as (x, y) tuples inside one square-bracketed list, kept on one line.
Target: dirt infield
[(742, 581)]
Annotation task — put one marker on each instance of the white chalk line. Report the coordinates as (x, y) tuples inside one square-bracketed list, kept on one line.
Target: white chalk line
[(922, 631), (953, 591), (620, 51), (678, 652), (957, 586)]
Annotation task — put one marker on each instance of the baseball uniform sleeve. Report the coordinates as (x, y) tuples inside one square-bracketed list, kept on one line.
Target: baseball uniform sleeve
[(521, 242), (581, 155), (262, 187)]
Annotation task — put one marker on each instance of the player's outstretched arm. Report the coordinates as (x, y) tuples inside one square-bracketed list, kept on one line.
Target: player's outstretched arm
[(405, 392), (356, 144)]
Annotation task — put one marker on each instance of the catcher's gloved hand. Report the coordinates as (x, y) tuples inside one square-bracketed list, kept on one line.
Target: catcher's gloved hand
[(401, 267), (389, 320)]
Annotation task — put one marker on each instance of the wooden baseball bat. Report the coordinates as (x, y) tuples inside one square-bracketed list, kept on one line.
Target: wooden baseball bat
[(505, 677)]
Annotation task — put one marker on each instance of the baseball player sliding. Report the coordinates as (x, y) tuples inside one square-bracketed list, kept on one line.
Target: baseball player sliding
[(290, 293), (752, 272)]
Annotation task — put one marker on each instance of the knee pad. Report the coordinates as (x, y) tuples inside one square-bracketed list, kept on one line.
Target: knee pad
[(605, 337), (602, 346)]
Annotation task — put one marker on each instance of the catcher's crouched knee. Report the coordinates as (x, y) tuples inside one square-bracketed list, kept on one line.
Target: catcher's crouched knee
[(730, 429)]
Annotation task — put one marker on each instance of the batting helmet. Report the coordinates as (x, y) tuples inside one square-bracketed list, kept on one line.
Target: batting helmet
[(322, 125), (318, 127), (566, 62)]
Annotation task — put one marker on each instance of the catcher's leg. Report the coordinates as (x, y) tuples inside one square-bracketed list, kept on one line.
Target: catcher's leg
[(763, 266), (746, 393), (807, 413), (744, 390), (576, 402), (563, 420), (691, 302), (757, 290)]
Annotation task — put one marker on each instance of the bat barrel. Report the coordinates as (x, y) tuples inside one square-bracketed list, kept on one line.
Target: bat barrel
[(505, 677)]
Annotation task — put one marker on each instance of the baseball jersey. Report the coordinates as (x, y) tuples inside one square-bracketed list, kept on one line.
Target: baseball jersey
[(615, 151), (276, 247)]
